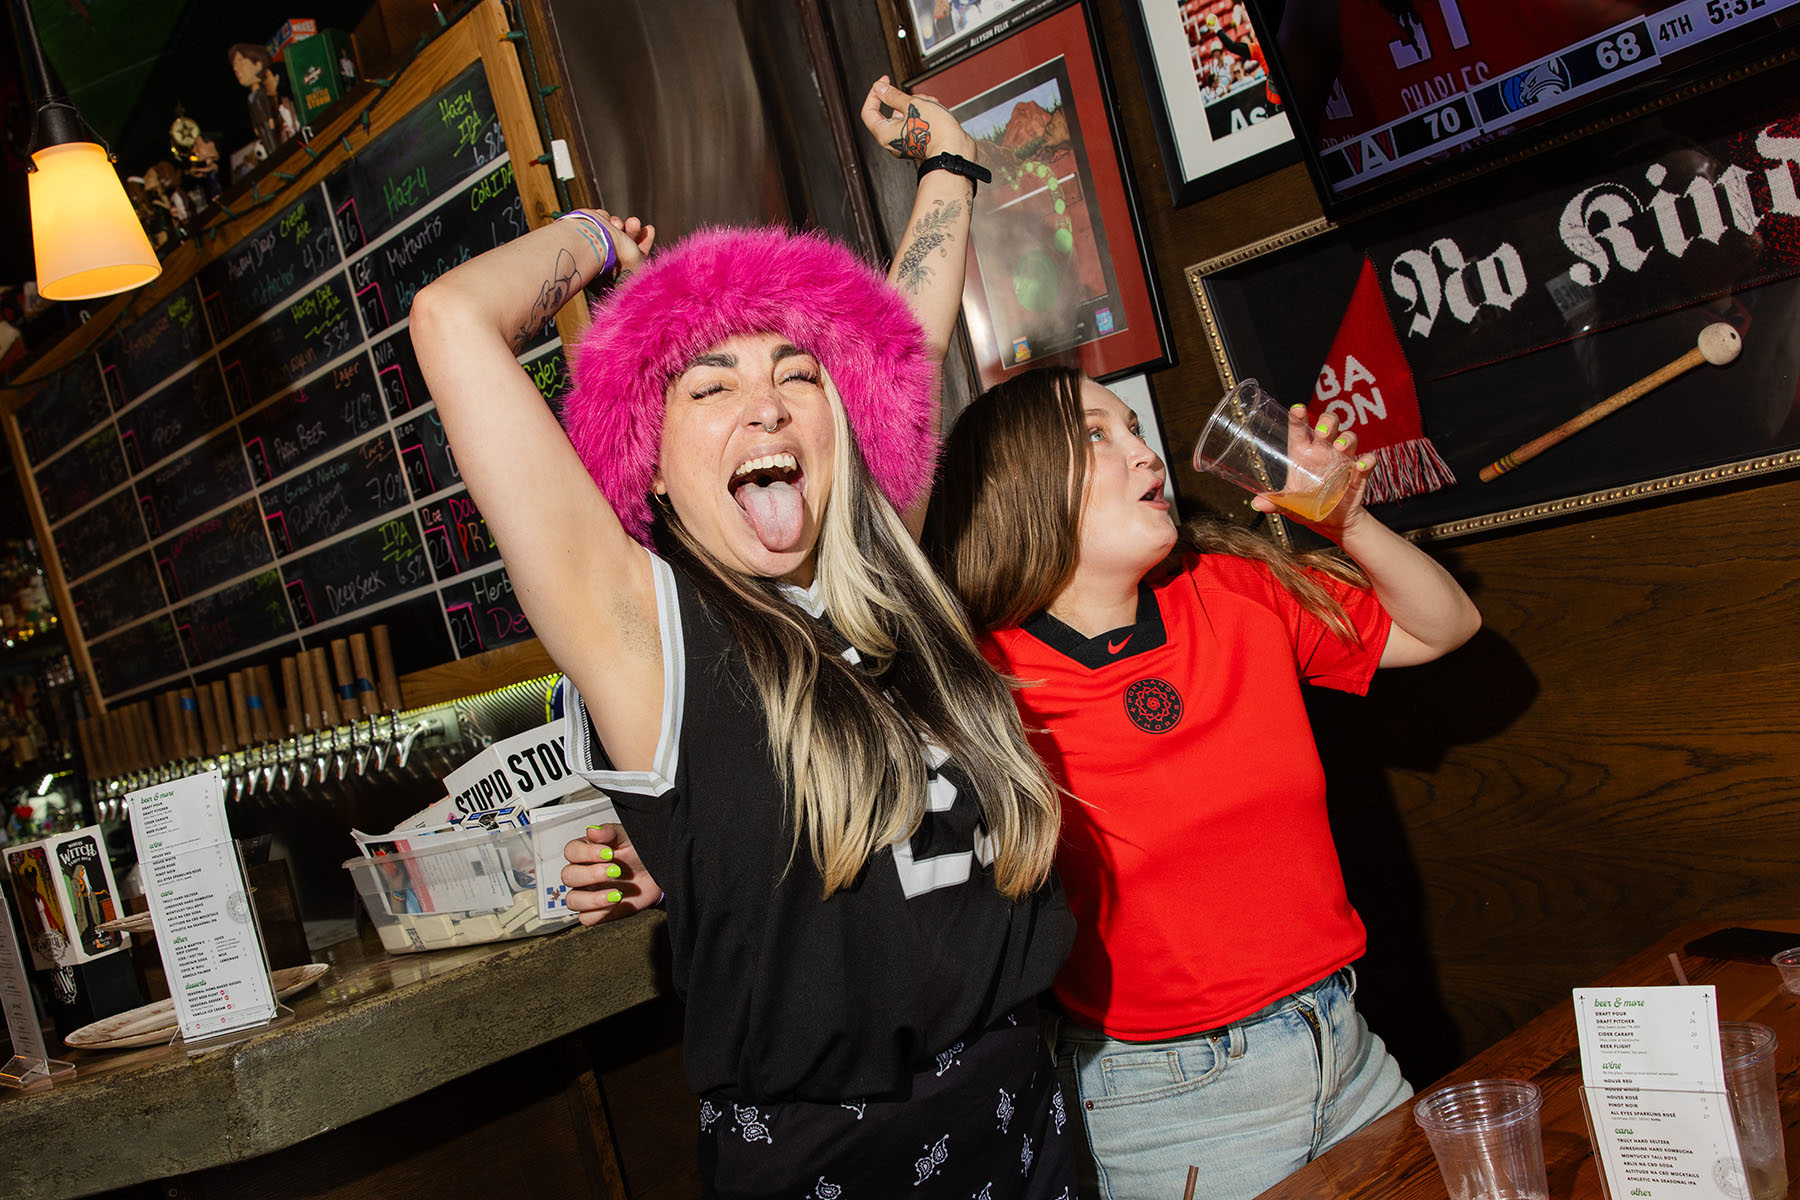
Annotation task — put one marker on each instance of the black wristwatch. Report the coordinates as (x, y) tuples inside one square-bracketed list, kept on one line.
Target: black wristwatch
[(956, 164)]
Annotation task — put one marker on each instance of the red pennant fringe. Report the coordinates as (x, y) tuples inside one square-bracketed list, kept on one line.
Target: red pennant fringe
[(1406, 469)]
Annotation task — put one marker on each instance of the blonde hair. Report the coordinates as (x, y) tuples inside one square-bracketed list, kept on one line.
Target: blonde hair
[(848, 739), (1005, 523)]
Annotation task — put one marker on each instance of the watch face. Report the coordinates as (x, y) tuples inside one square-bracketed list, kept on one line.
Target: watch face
[(184, 131)]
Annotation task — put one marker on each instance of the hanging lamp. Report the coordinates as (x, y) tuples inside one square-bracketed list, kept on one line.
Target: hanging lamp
[(87, 238)]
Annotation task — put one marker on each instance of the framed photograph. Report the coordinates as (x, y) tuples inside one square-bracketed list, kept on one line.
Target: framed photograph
[(1058, 269), (927, 34), (1134, 390), (1527, 298), (1219, 118)]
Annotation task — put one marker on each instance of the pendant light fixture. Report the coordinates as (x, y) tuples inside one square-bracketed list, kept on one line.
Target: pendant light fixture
[(87, 237)]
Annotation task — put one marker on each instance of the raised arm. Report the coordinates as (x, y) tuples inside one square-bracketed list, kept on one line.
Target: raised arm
[(1432, 614), (583, 582), (933, 253), (929, 262)]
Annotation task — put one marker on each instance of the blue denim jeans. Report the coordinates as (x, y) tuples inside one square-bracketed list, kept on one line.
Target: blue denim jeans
[(1248, 1104)]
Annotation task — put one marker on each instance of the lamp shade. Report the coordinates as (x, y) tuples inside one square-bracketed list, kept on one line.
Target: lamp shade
[(88, 240)]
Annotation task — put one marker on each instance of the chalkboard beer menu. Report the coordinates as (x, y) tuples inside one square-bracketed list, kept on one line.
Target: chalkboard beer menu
[(257, 458)]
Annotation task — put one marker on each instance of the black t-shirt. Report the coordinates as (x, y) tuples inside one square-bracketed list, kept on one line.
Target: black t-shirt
[(790, 997)]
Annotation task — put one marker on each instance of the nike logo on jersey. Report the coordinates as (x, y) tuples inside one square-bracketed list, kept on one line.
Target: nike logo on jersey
[(1115, 647)]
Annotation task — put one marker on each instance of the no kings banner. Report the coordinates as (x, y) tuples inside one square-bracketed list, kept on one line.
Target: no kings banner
[(1678, 223)]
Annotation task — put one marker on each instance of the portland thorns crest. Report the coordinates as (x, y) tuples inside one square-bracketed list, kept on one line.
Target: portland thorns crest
[(1153, 705)]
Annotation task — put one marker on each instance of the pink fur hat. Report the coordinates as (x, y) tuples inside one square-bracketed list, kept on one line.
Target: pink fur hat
[(722, 283)]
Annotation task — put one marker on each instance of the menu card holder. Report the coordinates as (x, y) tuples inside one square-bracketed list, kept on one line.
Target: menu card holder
[(206, 927), (30, 1065), (1658, 1164)]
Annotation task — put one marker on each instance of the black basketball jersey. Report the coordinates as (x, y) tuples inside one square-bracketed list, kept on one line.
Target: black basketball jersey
[(791, 997)]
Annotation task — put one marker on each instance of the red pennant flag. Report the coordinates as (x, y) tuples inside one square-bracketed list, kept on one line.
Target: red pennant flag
[(1368, 386)]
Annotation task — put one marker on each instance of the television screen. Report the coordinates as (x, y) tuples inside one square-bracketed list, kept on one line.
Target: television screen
[(1386, 93)]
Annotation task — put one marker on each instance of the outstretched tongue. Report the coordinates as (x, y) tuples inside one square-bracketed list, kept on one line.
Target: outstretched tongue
[(776, 512)]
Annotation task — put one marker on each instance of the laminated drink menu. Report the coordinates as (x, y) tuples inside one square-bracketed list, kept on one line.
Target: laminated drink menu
[(210, 944)]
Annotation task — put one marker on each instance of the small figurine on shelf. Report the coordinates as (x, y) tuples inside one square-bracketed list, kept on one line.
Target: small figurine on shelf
[(163, 182), (251, 63), (153, 218)]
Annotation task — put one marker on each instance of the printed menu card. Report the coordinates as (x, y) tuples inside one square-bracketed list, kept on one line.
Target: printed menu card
[(211, 948), (1655, 1088)]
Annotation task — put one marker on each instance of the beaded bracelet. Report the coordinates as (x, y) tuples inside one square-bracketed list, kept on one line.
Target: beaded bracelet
[(610, 258)]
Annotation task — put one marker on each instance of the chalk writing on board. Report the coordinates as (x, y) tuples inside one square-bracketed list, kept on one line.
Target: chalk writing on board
[(219, 548), (308, 331), (117, 596), (185, 409), (358, 571), (103, 533), (62, 407), (87, 469), (456, 535), (235, 618), (164, 340), (347, 489), (136, 656), (267, 266), (206, 477), (484, 613)]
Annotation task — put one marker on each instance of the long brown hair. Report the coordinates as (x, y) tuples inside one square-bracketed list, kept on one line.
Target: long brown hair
[(846, 738), (1004, 526)]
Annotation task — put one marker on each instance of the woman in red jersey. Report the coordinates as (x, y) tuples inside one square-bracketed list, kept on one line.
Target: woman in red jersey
[(1207, 1002)]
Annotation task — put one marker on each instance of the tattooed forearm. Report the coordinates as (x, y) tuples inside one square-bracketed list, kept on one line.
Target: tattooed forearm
[(554, 292), (931, 233)]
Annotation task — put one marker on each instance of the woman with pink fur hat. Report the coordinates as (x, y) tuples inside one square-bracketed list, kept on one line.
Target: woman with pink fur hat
[(717, 545)]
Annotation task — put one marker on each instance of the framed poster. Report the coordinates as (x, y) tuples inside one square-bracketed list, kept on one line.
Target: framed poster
[(926, 34), (1057, 269), (1219, 118), (1529, 297)]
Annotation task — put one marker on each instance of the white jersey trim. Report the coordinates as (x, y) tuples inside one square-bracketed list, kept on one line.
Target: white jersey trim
[(578, 735)]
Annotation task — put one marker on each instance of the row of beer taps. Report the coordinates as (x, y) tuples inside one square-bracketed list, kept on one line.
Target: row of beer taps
[(234, 725)]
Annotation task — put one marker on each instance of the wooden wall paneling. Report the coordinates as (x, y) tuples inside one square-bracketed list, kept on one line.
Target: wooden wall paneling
[(1617, 751)]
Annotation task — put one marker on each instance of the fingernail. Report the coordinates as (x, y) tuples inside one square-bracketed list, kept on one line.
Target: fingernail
[(614, 870), (1324, 424), (1340, 443), (613, 896), (606, 854), (1298, 410), (1363, 464)]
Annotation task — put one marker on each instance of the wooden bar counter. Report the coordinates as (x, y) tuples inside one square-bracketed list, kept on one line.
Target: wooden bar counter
[(1391, 1160), (373, 1033)]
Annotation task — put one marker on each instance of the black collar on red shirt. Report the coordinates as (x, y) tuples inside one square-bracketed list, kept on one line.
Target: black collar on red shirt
[(1145, 634)]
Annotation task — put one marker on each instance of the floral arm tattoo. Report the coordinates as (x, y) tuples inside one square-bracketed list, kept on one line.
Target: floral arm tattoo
[(555, 291), (930, 234)]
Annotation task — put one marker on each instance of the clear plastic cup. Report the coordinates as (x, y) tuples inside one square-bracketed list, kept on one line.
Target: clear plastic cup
[(1250, 440), (1486, 1138), (1749, 1051), (1788, 963)]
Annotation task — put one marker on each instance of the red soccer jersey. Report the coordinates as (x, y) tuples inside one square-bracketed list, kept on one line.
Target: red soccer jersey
[(1196, 853)]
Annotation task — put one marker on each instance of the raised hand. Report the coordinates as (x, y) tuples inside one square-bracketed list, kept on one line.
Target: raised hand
[(912, 126), (1318, 448)]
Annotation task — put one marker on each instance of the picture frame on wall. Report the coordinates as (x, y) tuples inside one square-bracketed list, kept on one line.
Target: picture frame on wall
[(1529, 296), (1219, 117), (928, 34), (1058, 269)]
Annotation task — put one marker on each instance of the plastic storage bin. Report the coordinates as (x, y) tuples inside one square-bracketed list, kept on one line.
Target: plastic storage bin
[(462, 889)]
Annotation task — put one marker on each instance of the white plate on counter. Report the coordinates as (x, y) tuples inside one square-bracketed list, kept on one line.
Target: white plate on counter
[(155, 1023)]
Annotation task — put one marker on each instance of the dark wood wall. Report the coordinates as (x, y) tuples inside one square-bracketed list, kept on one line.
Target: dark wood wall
[(1616, 752)]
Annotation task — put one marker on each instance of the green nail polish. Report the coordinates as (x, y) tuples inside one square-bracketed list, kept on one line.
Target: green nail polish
[(613, 896), (1340, 443), (1324, 424), (606, 854), (614, 870), (591, 828)]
